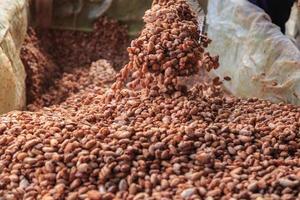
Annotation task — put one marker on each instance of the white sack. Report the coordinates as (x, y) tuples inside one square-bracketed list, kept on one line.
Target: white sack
[(260, 60), (293, 25), (13, 25)]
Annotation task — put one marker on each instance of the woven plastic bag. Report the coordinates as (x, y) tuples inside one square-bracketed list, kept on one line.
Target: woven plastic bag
[(293, 25), (259, 59), (13, 25)]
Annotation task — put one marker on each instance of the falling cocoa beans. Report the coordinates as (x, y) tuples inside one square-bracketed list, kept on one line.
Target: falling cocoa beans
[(173, 143)]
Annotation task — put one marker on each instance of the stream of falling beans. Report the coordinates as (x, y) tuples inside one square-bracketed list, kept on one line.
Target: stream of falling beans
[(151, 137), (167, 50)]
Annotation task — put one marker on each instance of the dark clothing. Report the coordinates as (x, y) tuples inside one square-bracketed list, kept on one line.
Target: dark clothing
[(278, 10)]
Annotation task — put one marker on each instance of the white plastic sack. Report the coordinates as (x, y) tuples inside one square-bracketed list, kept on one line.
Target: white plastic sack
[(293, 25), (13, 25), (258, 58)]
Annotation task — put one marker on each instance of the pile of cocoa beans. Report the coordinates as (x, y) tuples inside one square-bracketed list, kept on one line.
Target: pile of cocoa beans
[(174, 143), (49, 56)]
